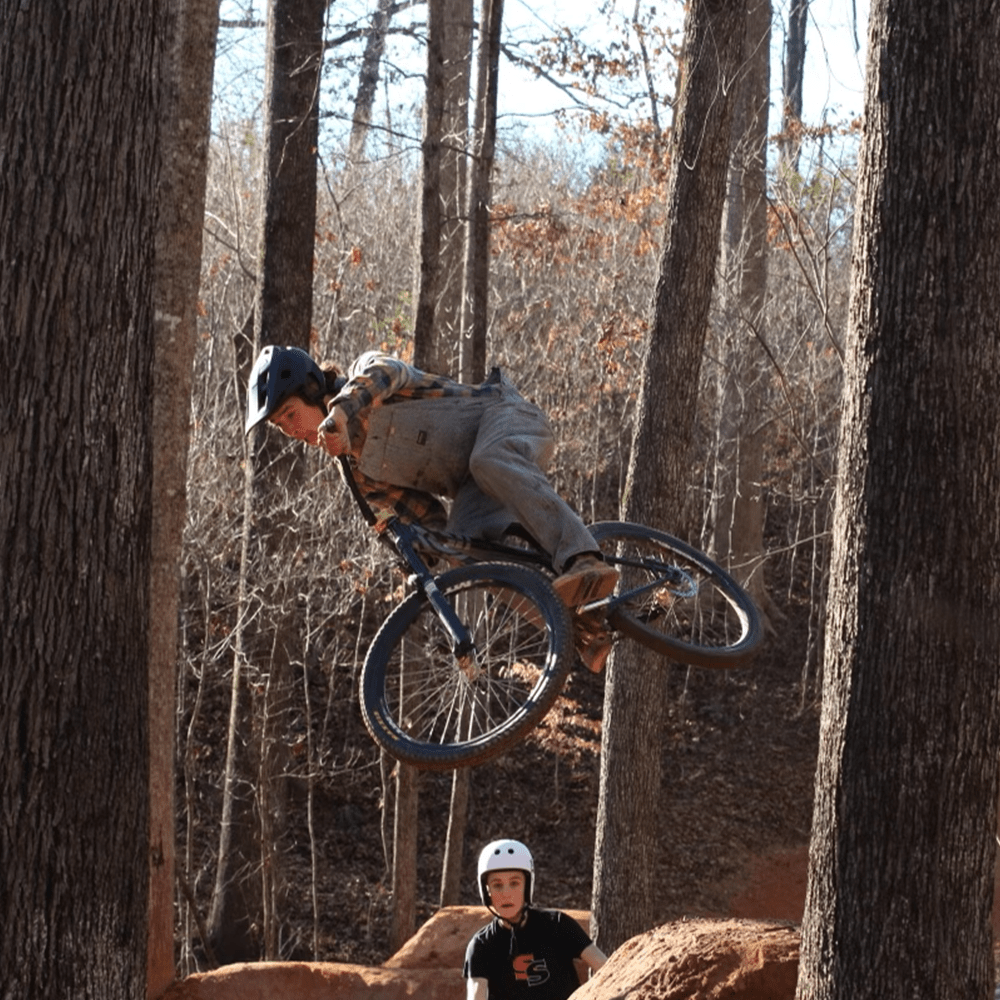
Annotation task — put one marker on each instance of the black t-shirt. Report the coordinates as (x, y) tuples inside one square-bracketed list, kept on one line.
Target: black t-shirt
[(533, 961)]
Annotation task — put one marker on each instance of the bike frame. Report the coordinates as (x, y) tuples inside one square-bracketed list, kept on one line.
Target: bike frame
[(406, 539)]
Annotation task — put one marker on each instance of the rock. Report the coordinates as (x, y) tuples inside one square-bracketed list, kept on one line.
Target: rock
[(440, 943), (702, 959), (318, 981), (699, 959), (428, 966)]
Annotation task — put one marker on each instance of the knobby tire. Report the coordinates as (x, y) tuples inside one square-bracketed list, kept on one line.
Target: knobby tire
[(682, 604), (429, 710)]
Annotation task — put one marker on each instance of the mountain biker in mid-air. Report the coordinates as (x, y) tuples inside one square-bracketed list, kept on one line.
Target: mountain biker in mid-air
[(411, 438), (524, 951)]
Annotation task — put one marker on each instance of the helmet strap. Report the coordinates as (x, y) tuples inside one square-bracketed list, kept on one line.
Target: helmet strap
[(525, 906), (517, 921)]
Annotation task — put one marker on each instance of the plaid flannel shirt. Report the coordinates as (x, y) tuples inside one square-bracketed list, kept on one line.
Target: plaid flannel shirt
[(371, 380)]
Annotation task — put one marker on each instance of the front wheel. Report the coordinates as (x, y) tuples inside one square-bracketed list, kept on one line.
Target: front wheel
[(675, 600), (437, 710)]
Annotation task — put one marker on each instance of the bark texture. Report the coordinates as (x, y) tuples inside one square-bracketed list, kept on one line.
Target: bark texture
[(903, 845), (78, 172), (249, 883), (428, 283), (437, 315), (743, 369), (457, 60), (472, 349), (368, 77), (187, 80), (630, 794)]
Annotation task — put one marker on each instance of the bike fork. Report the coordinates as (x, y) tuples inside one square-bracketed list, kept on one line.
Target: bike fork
[(461, 642), (462, 645)]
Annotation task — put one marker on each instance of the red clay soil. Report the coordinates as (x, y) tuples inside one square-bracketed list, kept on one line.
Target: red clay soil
[(702, 960), (773, 886), (318, 981), (684, 960)]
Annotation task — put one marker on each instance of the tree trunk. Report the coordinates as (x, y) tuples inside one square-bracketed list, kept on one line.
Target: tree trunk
[(901, 861), (78, 173), (187, 80), (791, 91), (454, 845), (291, 122), (442, 202), (371, 62), (472, 349), (269, 640), (630, 795), (404, 856), (435, 333), (457, 56), (738, 517), (425, 346)]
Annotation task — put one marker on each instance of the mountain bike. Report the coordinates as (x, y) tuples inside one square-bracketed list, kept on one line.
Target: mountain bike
[(475, 656)]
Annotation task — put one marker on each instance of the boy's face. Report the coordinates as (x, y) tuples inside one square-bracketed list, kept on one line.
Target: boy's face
[(298, 419), (506, 889)]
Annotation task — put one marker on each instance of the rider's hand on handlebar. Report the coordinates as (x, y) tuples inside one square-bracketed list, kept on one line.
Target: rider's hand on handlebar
[(332, 433)]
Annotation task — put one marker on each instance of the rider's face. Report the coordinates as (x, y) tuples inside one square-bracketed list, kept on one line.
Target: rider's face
[(506, 890), (298, 419)]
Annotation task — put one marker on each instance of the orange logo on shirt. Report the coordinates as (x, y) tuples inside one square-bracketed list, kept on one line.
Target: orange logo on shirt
[(530, 971)]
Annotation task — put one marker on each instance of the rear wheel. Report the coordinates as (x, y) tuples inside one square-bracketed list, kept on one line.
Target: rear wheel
[(675, 600), (435, 710)]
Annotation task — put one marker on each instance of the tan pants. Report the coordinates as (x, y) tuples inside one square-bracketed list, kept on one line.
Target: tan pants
[(488, 453), (507, 482)]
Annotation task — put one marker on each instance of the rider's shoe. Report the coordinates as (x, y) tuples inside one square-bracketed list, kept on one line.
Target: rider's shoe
[(594, 652), (593, 639), (587, 579)]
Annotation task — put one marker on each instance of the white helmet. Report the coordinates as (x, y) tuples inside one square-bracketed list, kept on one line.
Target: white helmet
[(506, 855)]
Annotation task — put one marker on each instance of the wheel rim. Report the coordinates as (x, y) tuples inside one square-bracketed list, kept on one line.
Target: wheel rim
[(438, 700), (691, 611)]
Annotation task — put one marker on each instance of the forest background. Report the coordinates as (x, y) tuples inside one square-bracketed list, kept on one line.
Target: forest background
[(288, 821), (235, 737), (577, 223)]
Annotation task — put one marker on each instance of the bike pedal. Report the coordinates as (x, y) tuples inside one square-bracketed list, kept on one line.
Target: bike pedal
[(589, 619), (595, 606)]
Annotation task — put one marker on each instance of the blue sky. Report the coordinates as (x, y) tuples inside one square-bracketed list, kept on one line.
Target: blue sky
[(833, 86), (834, 74)]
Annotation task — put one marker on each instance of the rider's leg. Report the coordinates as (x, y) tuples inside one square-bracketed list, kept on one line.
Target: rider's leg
[(474, 514), (513, 446)]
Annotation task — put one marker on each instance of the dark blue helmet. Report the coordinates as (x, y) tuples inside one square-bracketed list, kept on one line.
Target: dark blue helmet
[(278, 372)]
